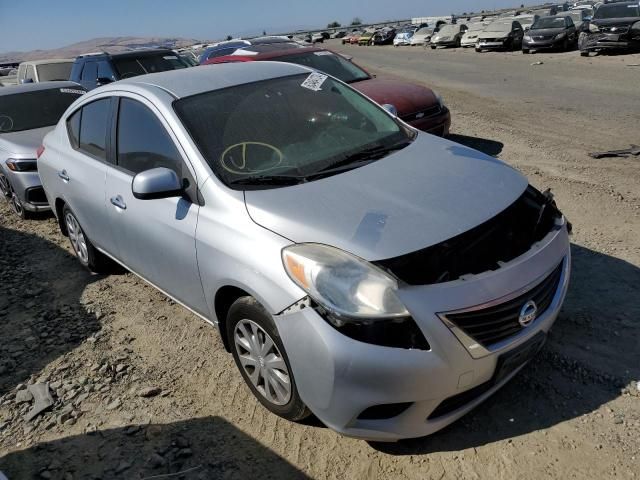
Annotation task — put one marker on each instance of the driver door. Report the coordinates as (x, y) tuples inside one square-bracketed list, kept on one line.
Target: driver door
[(154, 238)]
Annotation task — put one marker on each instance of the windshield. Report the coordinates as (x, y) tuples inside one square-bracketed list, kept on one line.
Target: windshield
[(424, 31), (36, 109), (448, 29), (476, 27), (499, 27), (576, 16), (328, 62), (50, 72), (617, 11), (549, 22), (293, 126), (132, 67)]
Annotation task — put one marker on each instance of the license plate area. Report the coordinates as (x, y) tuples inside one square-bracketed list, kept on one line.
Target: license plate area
[(514, 359)]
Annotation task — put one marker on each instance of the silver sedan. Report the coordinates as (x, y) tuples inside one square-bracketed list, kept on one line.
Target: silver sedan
[(382, 278)]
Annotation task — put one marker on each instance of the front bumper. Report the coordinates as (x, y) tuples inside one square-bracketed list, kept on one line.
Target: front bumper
[(338, 378), (436, 125), (542, 44), (28, 188), (446, 43), (494, 45), (471, 42)]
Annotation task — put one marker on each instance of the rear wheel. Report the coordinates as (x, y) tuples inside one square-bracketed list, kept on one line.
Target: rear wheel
[(262, 360), (85, 252)]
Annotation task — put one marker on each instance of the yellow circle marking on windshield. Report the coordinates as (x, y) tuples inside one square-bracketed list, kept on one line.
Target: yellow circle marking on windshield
[(240, 169)]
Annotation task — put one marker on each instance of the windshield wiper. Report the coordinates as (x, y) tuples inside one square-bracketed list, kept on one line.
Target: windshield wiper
[(358, 159), (270, 180)]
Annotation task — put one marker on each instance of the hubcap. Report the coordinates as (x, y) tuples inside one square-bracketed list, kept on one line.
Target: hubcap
[(262, 362), (5, 187), (78, 242), (16, 204)]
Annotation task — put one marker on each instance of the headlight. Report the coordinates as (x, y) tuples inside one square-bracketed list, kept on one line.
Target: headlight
[(345, 285), (527, 38), (560, 36), (22, 164), (593, 28), (636, 27)]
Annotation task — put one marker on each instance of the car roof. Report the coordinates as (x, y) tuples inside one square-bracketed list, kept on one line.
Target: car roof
[(133, 54), (192, 81), (51, 60), (34, 87)]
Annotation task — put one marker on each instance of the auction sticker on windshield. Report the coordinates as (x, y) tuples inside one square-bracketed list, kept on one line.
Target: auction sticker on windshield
[(72, 90), (314, 81)]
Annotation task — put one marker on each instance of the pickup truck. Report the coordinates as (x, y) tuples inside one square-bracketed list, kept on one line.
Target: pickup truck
[(44, 70)]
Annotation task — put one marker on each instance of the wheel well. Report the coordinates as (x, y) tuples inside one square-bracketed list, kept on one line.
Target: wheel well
[(59, 206), (225, 297)]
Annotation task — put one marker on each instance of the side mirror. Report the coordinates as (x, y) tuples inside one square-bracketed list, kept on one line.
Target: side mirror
[(156, 183), (103, 81), (391, 109)]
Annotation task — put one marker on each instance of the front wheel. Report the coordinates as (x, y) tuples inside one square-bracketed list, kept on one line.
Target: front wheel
[(262, 360), (584, 53), (478, 50), (525, 51), (433, 47)]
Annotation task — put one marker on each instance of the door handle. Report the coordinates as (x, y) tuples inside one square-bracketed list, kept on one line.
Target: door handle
[(118, 202), (63, 175)]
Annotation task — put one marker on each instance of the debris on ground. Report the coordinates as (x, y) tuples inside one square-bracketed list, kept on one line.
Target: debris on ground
[(43, 400), (625, 152)]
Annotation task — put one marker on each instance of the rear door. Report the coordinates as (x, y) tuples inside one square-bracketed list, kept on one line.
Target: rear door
[(155, 238), (82, 172)]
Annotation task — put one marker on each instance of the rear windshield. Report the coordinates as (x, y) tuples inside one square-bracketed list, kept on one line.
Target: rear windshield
[(132, 67), (617, 11), (30, 110), (549, 22), (328, 62), (50, 72)]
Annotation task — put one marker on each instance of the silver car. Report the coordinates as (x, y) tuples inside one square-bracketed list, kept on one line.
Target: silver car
[(384, 279), (27, 114)]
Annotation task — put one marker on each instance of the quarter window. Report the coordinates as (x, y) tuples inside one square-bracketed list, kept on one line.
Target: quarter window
[(93, 128), (73, 127), (142, 141)]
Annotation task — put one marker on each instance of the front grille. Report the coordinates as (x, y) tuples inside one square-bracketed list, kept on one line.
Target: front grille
[(429, 112), (542, 37), (35, 195), (617, 29), (491, 325)]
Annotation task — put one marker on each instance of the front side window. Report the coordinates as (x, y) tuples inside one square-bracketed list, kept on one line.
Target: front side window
[(35, 109), (105, 71), (93, 128), (142, 141), (298, 127)]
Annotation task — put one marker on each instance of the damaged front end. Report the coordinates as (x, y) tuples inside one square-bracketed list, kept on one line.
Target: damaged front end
[(486, 247), (613, 36)]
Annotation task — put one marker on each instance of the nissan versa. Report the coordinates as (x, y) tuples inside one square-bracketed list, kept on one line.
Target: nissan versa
[(382, 278)]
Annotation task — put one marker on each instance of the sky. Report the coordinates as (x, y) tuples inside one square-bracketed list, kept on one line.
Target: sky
[(45, 24)]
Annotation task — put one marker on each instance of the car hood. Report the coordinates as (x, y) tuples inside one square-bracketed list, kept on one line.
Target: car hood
[(604, 22), (487, 34), (544, 32), (25, 142), (421, 36), (426, 193), (408, 98)]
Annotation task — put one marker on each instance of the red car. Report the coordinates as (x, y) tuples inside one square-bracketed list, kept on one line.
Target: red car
[(419, 106)]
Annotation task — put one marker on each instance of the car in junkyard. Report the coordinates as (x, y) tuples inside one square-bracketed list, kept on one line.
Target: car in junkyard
[(93, 70), (551, 33), (27, 113), (449, 35), (351, 37), (52, 70), (422, 36), (614, 26), (501, 34), (470, 37), (385, 280), (419, 106), (384, 36), (366, 37), (403, 37)]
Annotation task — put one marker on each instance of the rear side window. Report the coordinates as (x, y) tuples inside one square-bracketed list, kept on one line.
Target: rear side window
[(90, 72), (93, 128), (142, 141), (73, 127)]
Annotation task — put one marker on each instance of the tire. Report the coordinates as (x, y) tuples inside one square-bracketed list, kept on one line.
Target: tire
[(525, 51), (84, 250), (248, 320), (584, 53), (478, 50), (14, 202), (433, 47)]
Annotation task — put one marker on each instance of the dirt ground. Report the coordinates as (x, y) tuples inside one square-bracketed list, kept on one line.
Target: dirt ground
[(142, 388)]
